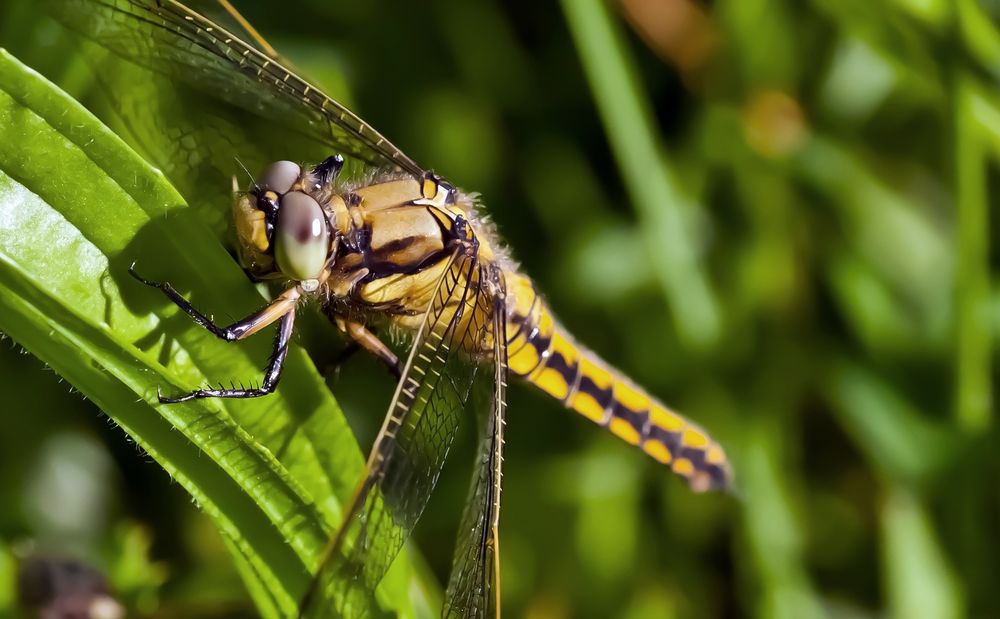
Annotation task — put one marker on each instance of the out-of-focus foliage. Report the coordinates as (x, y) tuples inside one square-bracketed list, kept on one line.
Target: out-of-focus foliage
[(772, 213)]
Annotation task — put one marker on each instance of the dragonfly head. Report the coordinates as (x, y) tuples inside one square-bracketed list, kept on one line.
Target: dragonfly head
[(282, 229)]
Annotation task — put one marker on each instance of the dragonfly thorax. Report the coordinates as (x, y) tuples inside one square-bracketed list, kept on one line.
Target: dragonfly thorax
[(395, 234), (374, 245)]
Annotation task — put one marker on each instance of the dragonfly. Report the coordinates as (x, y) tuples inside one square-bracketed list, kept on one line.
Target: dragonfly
[(402, 249)]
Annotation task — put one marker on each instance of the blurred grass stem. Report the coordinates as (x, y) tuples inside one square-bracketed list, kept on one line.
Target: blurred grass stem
[(663, 209)]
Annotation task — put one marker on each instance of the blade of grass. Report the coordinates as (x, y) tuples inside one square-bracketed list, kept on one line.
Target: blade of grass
[(920, 583), (974, 397), (774, 532), (900, 442), (663, 208)]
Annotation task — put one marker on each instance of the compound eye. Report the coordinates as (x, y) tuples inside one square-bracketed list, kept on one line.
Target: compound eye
[(301, 237), (280, 176)]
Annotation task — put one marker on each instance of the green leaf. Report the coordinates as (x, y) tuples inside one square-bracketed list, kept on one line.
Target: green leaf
[(77, 207)]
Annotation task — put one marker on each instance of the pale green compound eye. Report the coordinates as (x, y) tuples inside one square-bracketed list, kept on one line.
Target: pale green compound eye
[(301, 237), (280, 176)]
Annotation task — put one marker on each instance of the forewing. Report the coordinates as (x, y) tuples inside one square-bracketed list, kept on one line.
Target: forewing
[(172, 39), (474, 585), (411, 448)]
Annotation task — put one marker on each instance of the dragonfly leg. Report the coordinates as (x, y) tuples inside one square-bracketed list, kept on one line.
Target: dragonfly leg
[(281, 309), (364, 338), (241, 328), (271, 376)]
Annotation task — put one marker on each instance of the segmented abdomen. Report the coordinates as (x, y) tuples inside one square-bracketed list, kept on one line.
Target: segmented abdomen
[(543, 353)]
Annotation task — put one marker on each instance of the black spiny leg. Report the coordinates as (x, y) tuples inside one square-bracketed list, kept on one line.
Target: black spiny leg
[(271, 376), (282, 308), (231, 333)]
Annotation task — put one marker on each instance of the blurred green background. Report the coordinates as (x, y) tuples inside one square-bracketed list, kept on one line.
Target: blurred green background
[(773, 214)]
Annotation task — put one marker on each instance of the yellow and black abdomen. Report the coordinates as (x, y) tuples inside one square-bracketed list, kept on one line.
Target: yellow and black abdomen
[(543, 353)]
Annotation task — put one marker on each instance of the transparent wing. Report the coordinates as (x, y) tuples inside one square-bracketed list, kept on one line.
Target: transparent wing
[(474, 585), (411, 448), (172, 39)]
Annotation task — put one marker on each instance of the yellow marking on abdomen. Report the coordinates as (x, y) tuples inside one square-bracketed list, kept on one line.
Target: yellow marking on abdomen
[(541, 352)]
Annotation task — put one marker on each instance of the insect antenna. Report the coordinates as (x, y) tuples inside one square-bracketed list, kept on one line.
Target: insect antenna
[(249, 175)]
